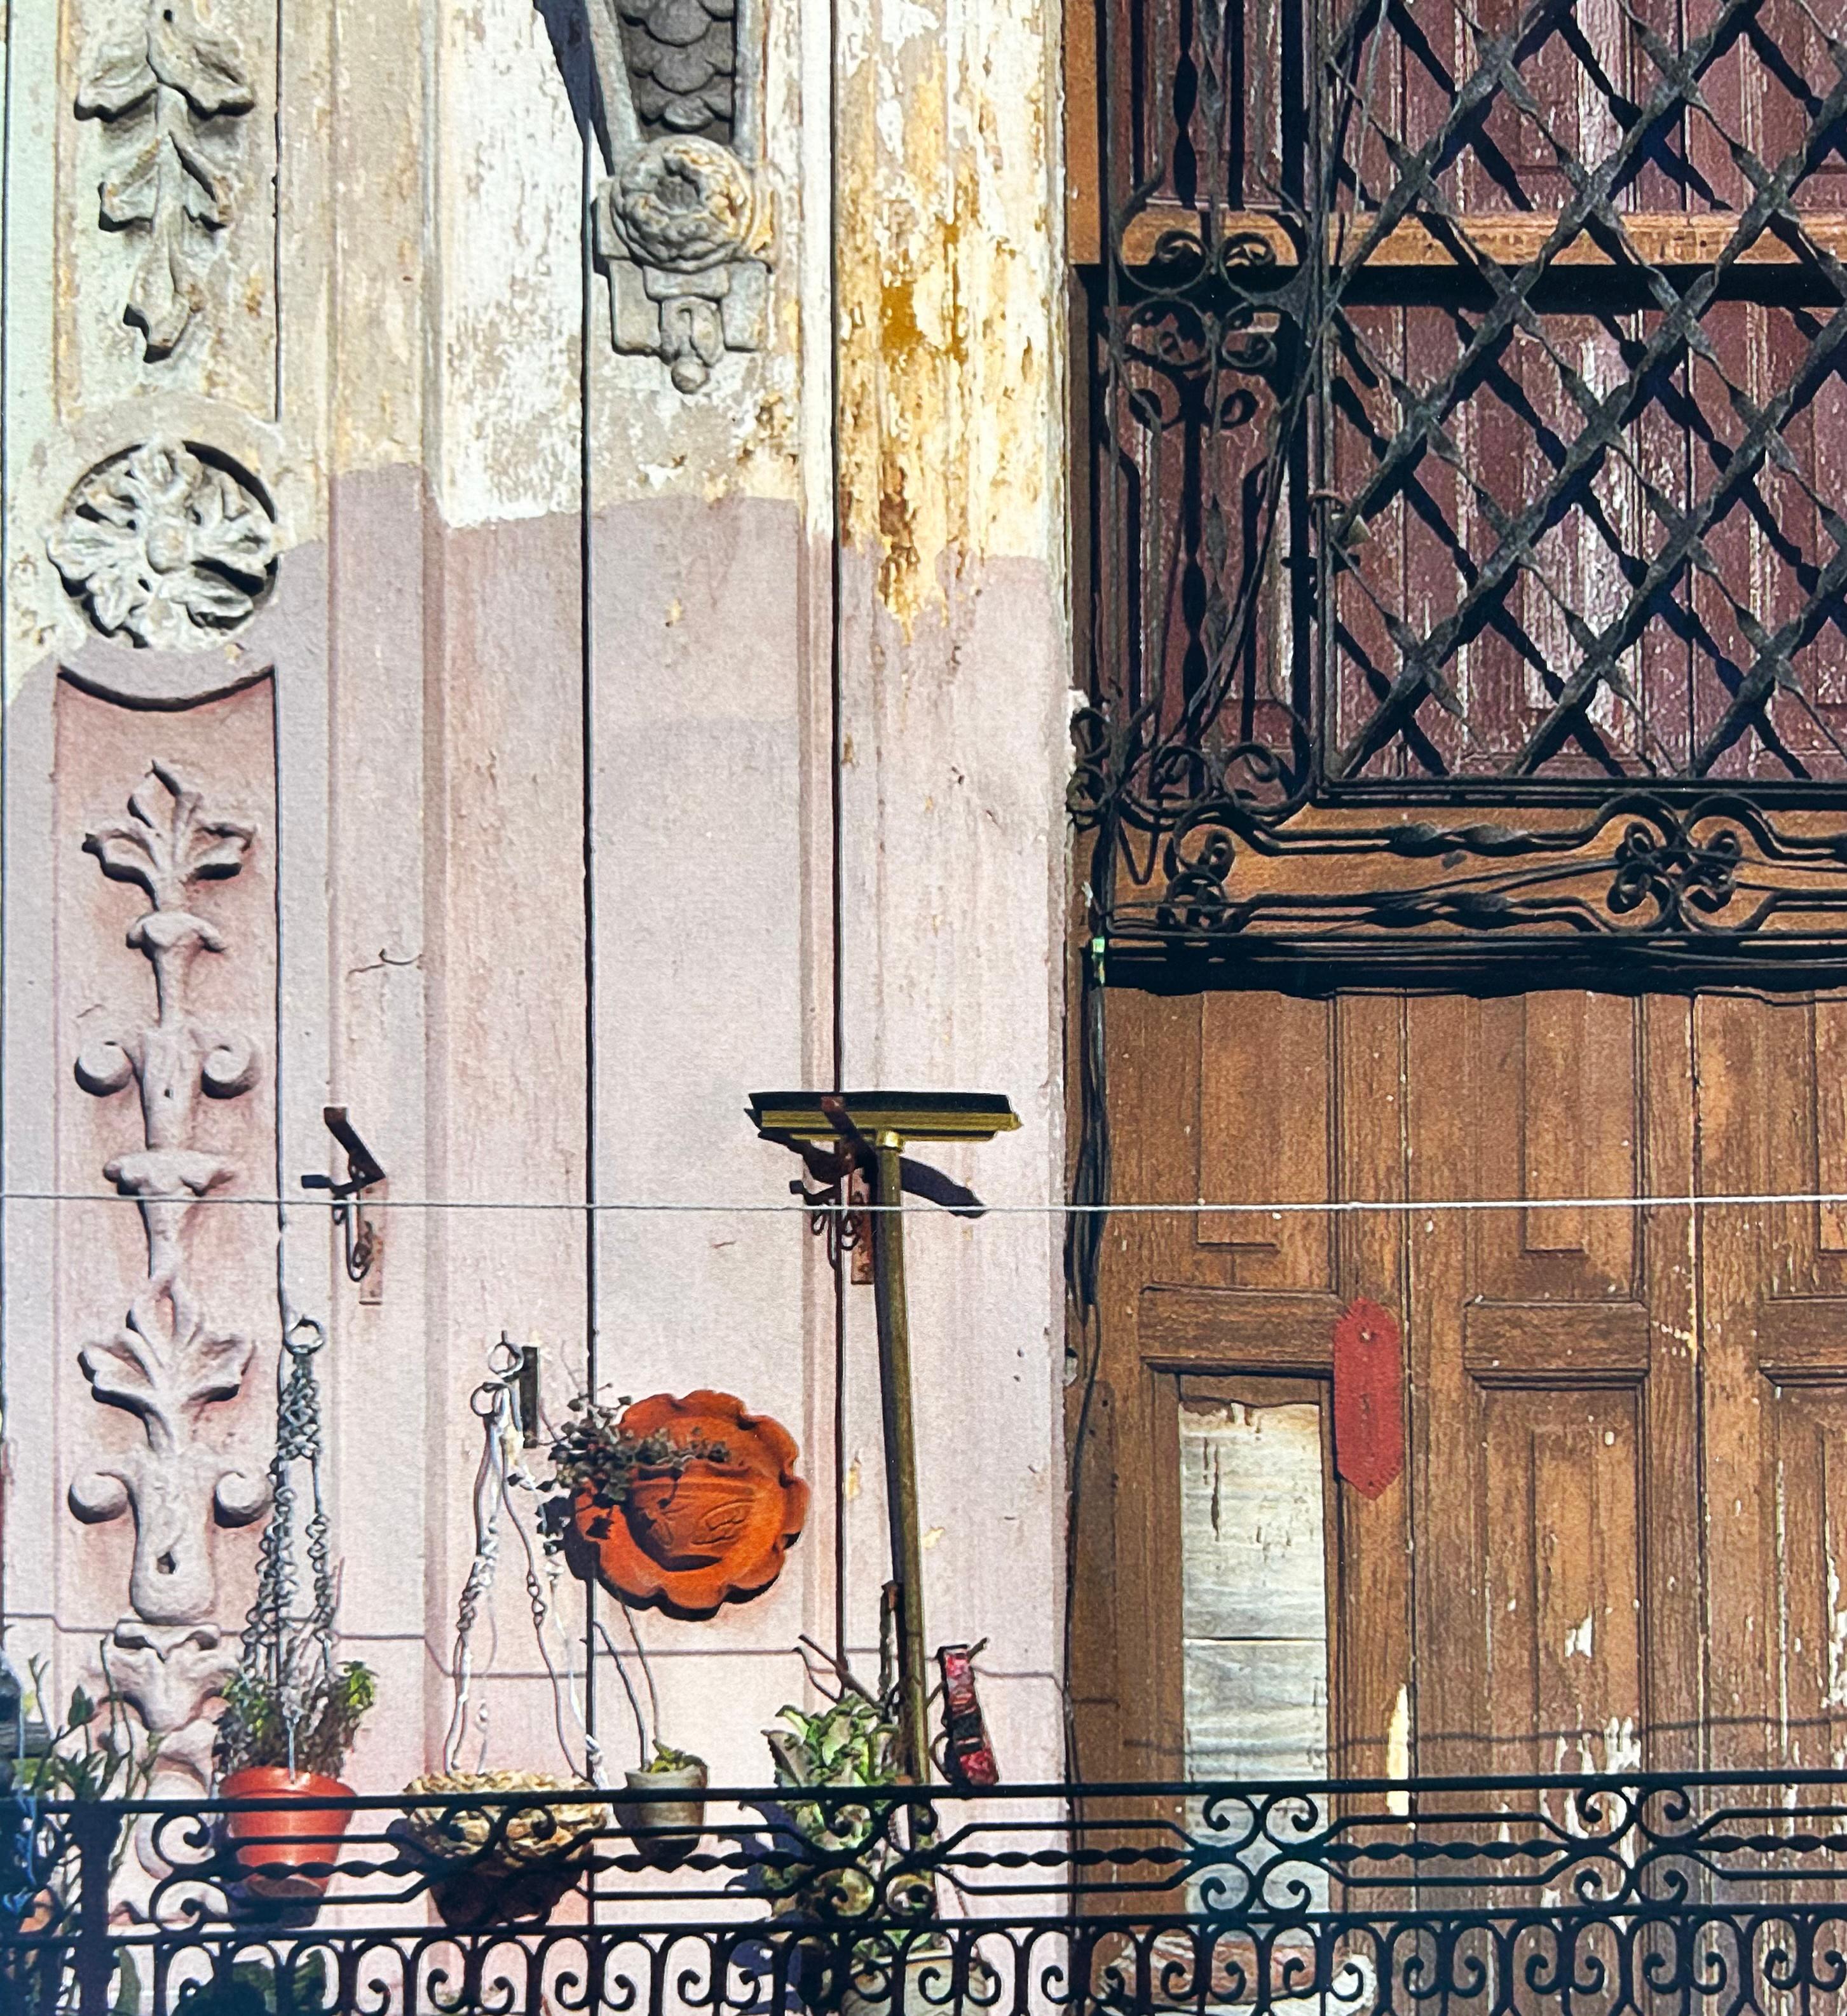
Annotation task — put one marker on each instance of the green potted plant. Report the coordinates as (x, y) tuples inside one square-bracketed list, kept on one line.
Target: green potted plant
[(850, 1742), (92, 1755), (666, 1822), (282, 1738), (895, 1969)]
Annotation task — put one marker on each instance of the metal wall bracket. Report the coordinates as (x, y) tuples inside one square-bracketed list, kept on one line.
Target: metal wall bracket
[(360, 1235)]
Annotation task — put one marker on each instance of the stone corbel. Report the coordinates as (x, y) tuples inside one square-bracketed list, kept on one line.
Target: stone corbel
[(684, 223)]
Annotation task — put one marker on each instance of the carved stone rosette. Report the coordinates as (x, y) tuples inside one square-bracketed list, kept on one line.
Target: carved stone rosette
[(168, 1361), (683, 225), (165, 544)]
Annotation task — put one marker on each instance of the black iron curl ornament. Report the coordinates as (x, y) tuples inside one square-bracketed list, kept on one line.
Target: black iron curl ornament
[(1636, 888), (1674, 870)]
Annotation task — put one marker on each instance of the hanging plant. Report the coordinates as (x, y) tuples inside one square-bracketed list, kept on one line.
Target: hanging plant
[(503, 1862), (688, 1503), (290, 1713), (508, 1860), (308, 1729), (597, 1460)]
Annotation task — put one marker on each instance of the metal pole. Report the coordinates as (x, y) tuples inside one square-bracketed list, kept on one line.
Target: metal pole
[(93, 1828), (901, 1455)]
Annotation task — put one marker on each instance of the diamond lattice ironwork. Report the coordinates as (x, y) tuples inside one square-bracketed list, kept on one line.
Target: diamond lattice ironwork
[(1470, 425)]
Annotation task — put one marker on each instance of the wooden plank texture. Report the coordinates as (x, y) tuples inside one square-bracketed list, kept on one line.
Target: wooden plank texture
[(1228, 1329), (1655, 238), (1619, 1540), (1263, 1135), (1516, 1344)]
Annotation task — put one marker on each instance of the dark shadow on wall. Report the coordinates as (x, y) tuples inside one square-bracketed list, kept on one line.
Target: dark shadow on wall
[(570, 50)]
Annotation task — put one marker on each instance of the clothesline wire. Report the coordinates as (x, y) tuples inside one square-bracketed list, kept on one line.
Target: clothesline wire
[(1339, 1207)]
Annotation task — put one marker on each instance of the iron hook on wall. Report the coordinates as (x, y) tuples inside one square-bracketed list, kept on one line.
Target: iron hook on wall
[(361, 1236)]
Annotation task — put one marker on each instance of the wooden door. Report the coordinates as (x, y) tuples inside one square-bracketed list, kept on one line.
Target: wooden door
[(1615, 1542), (1229, 1097), (1551, 1403)]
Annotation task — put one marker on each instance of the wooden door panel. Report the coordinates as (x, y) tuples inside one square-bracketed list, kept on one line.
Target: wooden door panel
[(1542, 1549), (1567, 1062), (1777, 1528), (1830, 1120), (1370, 1707), (1549, 1546), (1808, 1438), (1773, 1337), (1225, 1099), (1563, 1594), (1265, 1084)]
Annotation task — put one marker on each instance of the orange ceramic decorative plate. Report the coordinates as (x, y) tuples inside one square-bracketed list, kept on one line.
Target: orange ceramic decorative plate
[(716, 1532)]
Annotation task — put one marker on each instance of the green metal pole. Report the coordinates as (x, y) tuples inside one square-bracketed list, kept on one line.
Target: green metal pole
[(901, 1455)]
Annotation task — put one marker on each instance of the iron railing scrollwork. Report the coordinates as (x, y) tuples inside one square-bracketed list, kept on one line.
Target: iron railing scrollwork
[(1469, 399), (1709, 1896)]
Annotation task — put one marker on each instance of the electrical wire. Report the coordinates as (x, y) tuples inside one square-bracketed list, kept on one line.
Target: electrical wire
[(1203, 1207), (599, 1629)]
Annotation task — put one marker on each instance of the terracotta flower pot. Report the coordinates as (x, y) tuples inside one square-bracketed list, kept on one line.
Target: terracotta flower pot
[(289, 1851), (694, 1519), (733, 1521), (666, 1822)]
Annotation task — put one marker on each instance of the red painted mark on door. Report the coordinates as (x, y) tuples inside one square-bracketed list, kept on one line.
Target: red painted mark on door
[(1369, 1412)]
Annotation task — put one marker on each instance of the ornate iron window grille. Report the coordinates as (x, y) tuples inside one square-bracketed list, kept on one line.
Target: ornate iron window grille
[(1470, 427)]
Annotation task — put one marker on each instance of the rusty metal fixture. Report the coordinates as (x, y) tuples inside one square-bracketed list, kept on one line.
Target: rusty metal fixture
[(1463, 426), (359, 1235), (968, 1755), (838, 1134), (1369, 1404)]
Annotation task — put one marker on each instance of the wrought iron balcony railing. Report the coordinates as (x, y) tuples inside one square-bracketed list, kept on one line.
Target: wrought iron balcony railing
[(1472, 1897)]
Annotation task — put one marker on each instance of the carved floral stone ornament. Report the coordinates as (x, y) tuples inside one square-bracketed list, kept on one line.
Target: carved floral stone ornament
[(168, 544), (167, 1363), (683, 205), (169, 94), (684, 223)]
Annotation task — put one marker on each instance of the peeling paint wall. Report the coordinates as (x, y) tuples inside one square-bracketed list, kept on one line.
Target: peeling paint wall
[(950, 283), (569, 678)]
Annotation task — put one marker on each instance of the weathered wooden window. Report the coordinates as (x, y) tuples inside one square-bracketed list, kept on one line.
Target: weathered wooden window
[(1469, 430), (1254, 1580), (1254, 1650)]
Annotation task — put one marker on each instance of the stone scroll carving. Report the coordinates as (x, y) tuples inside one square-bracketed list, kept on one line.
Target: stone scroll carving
[(168, 1361), (684, 223), (171, 546), (170, 95)]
